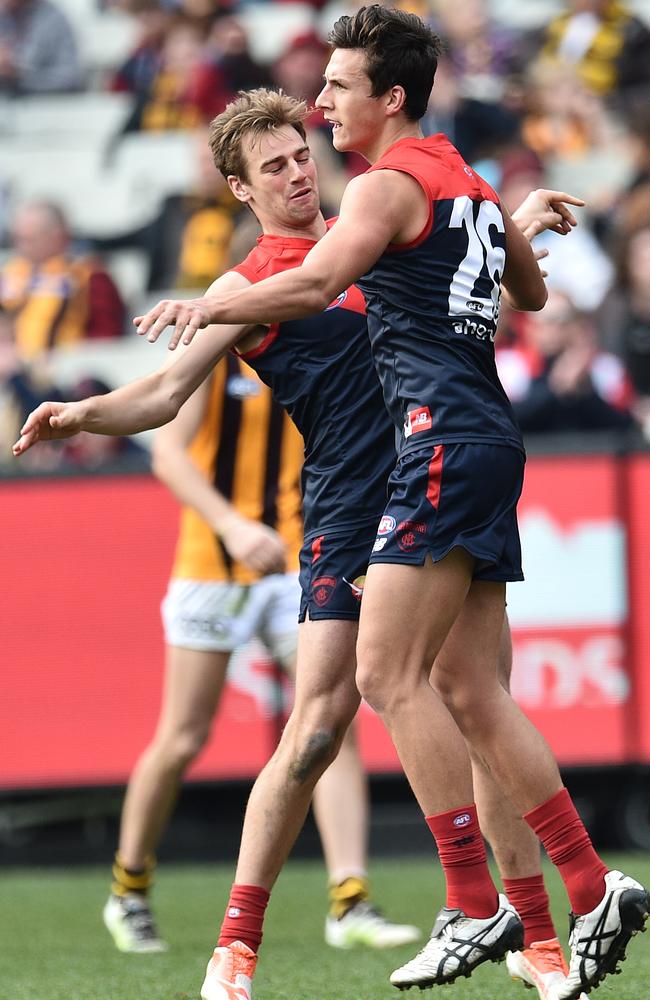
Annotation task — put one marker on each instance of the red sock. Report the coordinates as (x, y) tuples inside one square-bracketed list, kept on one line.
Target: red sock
[(244, 916), (530, 899), (567, 844), (462, 855)]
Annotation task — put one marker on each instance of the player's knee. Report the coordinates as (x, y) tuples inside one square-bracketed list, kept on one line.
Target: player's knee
[(313, 752), (181, 749)]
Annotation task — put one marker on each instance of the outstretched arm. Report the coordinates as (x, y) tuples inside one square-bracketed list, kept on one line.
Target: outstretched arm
[(372, 212), (141, 405)]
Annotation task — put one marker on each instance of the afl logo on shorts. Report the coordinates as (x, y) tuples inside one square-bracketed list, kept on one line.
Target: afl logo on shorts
[(322, 589), (386, 525), (462, 820)]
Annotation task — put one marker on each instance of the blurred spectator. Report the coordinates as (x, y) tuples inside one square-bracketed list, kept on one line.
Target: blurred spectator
[(169, 101), (186, 69), (55, 298), (92, 451), (22, 387), (479, 128), (299, 70), (226, 67), (38, 49), (560, 381), (188, 243), (626, 318), (603, 41), (480, 49), (139, 70)]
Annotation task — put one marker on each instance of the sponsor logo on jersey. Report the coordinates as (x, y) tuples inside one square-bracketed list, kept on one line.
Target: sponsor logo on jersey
[(379, 544), (386, 525), (322, 589), (462, 820), (356, 586), (241, 387), (417, 420), (338, 301), (475, 306), (408, 534)]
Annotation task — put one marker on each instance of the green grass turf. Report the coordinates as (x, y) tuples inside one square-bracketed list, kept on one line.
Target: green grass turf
[(53, 945)]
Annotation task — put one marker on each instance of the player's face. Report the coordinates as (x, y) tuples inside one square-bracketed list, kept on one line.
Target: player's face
[(282, 186), (347, 103)]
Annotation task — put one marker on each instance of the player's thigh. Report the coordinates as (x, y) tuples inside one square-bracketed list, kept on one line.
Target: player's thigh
[(325, 668), (407, 612)]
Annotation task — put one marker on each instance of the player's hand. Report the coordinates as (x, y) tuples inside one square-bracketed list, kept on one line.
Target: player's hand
[(257, 546), (544, 209), (186, 316), (48, 422)]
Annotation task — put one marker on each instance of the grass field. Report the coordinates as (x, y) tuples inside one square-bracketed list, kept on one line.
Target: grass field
[(53, 945)]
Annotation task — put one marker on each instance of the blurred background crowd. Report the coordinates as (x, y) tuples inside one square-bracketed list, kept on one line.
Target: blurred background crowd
[(109, 199)]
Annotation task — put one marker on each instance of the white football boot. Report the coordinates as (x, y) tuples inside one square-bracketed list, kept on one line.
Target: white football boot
[(131, 924), (364, 924), (459, 943), (598, 939)]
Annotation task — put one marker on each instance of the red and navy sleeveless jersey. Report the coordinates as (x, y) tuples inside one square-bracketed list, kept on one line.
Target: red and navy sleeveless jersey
[(320, 369), (433, 306)]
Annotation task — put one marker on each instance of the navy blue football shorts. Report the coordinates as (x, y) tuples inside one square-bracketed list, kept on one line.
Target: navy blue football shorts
[(333, 571), (453, 495)]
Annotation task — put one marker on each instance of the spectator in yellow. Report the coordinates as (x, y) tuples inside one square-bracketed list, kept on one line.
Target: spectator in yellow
[(605, 43), (55, 297)]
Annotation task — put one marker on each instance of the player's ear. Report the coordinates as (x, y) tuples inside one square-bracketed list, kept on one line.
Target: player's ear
[(395, 99), (238, 188)]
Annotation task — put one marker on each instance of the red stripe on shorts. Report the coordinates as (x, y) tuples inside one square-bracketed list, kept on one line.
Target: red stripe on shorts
[(435, 476), (316, 548)]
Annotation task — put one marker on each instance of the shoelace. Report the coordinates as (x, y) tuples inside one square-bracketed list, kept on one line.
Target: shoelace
[(141, 919)]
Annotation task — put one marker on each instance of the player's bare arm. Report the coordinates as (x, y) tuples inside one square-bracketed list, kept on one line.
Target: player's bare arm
[(141, 405), (377, 209), (522, 279), (254, 544)]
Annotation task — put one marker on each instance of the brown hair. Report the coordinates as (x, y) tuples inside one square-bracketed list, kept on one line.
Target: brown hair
[(253, 112), (399, 48)]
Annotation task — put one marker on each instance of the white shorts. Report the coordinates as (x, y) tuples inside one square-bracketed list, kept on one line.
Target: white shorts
[(218, 617)]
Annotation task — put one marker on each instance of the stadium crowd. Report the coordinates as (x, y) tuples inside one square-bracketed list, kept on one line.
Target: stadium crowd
[(108, 196)]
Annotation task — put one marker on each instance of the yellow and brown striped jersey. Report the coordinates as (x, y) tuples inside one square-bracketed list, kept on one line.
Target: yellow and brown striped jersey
[(252, 452)]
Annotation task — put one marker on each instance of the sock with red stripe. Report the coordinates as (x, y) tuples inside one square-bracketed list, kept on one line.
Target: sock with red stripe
[(530, 899), (567, 844), (464, 861), (244, 916)]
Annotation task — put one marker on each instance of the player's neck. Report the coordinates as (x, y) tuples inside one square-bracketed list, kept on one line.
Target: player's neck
[(312, 231), (392, 133)]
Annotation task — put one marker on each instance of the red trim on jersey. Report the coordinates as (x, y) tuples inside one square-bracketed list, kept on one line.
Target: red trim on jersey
[(274, 330), (434, 163), (435, 476)]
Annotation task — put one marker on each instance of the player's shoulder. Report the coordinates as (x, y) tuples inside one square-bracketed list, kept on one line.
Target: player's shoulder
[(272, 255)]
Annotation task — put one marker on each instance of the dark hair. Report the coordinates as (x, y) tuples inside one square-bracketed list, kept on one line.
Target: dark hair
[(252, 113), (399, 49)]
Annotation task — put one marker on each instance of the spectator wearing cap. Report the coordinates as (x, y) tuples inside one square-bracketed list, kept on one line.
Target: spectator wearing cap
[(55, 298), (38, 49)]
